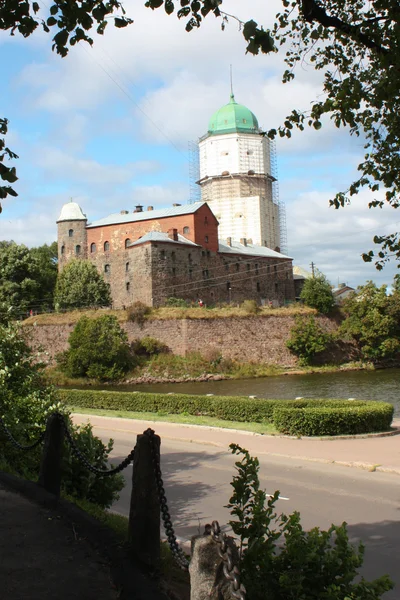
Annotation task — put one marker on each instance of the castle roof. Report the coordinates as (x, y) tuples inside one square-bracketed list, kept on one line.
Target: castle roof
[(147, 215), (249, 249), (159, 236), (71, 211), (233, 117)]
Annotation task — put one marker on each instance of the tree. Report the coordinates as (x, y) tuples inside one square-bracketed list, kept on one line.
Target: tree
[(98, 348), (317, 293), (373, 321), (307, 339), (357, 47), (80, 285), (19, 279), (71, 22), (47, 257)]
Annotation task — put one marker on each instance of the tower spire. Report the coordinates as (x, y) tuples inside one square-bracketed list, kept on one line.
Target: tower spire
[(231, 78)]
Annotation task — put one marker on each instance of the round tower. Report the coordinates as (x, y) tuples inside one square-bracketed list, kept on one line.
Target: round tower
[(72, 234), (235, 176)]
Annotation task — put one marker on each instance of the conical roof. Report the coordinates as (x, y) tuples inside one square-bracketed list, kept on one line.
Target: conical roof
[(233, 117)]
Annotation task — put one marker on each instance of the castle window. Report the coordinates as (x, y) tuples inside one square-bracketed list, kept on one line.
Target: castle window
[(173, 271), (256, 266), (208, 254), (186, 229), (93, 247), (162, 253), (173, 256), (248, 266), (258, 286), (70, 233), (106, 246), (206, 220), (62, 249), (190, 273), (127, 266), (203, 253), (77, 249), (275, 269), (127, 286), (228, 286), (127, 242), (189, 257), (276, 287), (227, 267), (205, 274), (206, 239), (237, 267), (107, 268)]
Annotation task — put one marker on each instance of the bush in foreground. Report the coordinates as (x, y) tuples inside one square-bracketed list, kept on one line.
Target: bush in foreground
[(98, 348), (373, 416), (307, 339), (279, 560)]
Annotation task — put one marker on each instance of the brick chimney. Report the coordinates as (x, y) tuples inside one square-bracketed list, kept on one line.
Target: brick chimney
[(229, 241), (176, 204), (138, 208), (173, 234), (149, 208), (243, 241)]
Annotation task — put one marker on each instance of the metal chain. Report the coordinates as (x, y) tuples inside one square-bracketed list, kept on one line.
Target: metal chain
[(85, 461), (176, 550), (231, 571), (12, 439)]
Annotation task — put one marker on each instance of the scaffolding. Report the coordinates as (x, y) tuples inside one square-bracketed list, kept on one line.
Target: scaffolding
[(279, 202), (194, 172)]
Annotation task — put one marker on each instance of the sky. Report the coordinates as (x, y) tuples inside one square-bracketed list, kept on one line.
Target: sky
[(110, 126)]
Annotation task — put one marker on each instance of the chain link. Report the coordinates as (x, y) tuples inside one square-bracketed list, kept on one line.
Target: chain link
[(12, 439), (231, 571), (80, 456), (176, 550)]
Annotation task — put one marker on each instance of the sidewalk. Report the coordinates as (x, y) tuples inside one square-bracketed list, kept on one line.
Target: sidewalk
[(42, 557), (371, 453)]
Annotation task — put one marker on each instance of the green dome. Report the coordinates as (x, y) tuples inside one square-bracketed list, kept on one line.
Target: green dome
[(233, 117)]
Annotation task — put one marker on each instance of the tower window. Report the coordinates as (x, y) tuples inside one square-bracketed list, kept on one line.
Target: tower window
[(70, 233), (106, 246), (127, 286), (127, 266), (93, 247), (62, 249), (77, 249), (244, 121), (107, 268), (127, 242), (186, 229)]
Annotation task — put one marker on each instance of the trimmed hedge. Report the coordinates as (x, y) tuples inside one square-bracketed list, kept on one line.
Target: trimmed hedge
[(348, 420), (294, 417)]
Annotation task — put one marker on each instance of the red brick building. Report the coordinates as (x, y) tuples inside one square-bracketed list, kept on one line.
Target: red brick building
[(156, 254)]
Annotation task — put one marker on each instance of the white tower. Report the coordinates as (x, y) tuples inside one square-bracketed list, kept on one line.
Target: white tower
[(235, 176)]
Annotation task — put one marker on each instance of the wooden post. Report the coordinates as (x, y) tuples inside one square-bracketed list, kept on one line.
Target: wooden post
[(50, 467), (144, 514)]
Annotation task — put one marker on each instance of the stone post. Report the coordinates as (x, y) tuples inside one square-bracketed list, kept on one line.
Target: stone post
[(144, 513), (50, 467), (207, 579)]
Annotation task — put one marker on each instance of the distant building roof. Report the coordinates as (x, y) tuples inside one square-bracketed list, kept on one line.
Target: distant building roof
[(146, 215), (299, 272), (249, 249), (71, 211), (159, 236), (341, 290)]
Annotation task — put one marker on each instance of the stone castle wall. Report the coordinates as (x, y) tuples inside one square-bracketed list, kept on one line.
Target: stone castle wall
[(252, 339)]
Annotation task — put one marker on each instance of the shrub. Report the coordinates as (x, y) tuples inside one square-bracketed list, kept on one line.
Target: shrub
[(228, 408), (250, 306), (307, 339), (317, 293), (148, 346), (279, 560), (137, 312), (179, 302), (98, 349), (348, 420)]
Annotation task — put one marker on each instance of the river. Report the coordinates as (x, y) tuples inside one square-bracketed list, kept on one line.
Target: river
[(381, 385)]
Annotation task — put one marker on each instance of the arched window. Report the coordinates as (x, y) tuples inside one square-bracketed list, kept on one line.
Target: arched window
[(173, 256), (77, 249), (92, 247), (206, 239), (70, 233), (186, 230), (127, 286), (107, 268), (127, 266), (127, 242), (106, 246), (62, 249)]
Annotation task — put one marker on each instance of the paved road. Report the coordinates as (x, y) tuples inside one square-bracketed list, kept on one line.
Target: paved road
[(197, 480)]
